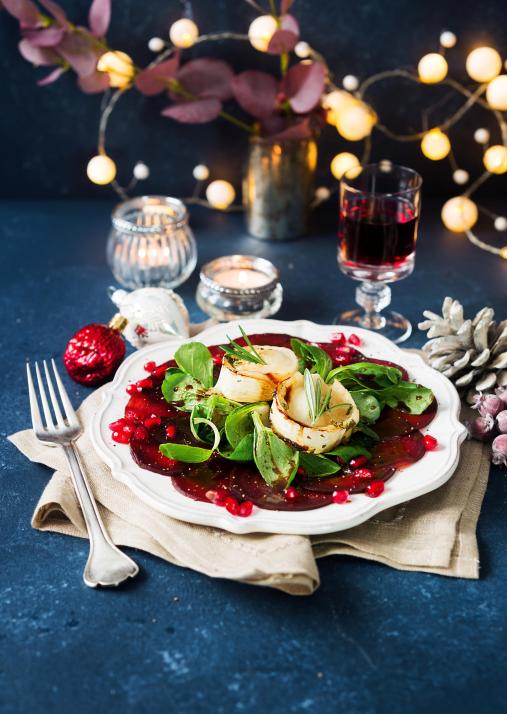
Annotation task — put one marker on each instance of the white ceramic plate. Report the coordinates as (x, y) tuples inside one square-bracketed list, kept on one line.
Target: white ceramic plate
[(426, 475)]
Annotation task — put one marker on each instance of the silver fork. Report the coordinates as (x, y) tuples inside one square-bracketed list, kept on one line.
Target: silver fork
[(106, 565)]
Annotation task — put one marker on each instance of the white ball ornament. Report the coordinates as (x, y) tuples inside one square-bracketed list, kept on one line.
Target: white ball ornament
[(302, 50), (448, 39), (355, 120), (495, 159), (481, 136), (101, 169), (459, 214), (460, 176), (435, 145), (261, 31), (483, 63), (153, 315), (322, 193), (496, 93), (500, 223), (432, 68), (220, 194), (141, 171), (156, 44), (183, 33), (350, 83), (200, 172)]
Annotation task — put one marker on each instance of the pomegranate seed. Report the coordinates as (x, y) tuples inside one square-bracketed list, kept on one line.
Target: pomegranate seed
[(232, 505), (170, 431), (338, 338), (132, 389), (149, 366), (363, 473), (145, 383), (354, 340), (159, 372), (357, 462), (340, 496), (120, 437), (342, 360), (245, 509), (291, 493), (152, 421), (344, 350), (128, 429), (117, 425), (374, 489), (300, 471), (430, 443), (222, 494), (141, 434), (217, 359)]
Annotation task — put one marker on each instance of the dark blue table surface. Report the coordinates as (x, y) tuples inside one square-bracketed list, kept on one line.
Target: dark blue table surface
[(371, 639)]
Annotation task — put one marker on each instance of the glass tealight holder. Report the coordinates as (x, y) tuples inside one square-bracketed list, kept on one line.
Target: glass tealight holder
[(151, 244), (239, 286)]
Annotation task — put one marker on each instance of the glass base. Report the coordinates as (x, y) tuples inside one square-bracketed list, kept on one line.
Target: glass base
[(387, 323)]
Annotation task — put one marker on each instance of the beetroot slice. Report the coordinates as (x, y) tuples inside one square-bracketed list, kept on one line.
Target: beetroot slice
[(197, 488), (349, 482), (144, 404), (247, 485), (399, 451), (147, 455)]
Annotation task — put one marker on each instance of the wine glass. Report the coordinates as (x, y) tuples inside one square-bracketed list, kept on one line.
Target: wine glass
[(379, 216)]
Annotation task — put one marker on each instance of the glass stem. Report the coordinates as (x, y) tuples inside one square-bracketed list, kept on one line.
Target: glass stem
[(373, 298)]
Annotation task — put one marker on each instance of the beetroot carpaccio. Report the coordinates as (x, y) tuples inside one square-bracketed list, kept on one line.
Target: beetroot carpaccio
[(149, 421)]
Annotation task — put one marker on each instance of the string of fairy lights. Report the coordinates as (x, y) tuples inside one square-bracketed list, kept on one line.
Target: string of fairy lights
[(348, 111)]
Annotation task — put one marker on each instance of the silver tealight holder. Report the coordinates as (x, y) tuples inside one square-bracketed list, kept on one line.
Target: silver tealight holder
[(239, 286), (151, 243)]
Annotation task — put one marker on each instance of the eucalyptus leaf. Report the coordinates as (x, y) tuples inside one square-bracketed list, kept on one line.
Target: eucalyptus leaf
[(317, 465), (277, 461), (312, 357), (195, 359), (239, 422)]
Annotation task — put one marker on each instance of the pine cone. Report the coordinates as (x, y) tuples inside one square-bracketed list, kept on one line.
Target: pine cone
[(472, 353)]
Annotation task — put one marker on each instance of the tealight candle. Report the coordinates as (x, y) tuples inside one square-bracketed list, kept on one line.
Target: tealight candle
[(237, 286)]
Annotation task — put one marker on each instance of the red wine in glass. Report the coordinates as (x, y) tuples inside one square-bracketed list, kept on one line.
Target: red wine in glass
[(379, 218)]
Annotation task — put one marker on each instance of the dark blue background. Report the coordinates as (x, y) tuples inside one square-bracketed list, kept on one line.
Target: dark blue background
[(50, 133)]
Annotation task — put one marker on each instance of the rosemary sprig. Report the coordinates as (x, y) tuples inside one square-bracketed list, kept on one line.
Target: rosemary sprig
[(236, 351), (317, 404)]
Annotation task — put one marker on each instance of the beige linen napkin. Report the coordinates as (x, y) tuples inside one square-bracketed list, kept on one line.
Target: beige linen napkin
[(433, 533)]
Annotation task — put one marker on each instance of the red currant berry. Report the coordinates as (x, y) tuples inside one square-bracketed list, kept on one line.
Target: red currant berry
[(152, 421), (232, 506), (430, 443), (338, 338), (141, 434), (374, 489), (149, 366), (357, 462), (117, 425), (291, 493), (132, 389), (363, 473), (245, 509), (354, 340), (170, 431), (340, 496)]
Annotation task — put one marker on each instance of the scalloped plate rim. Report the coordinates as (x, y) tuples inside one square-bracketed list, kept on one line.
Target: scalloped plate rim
[(147, 485)]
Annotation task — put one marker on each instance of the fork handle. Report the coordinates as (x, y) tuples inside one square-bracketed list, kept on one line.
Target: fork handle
[(106, 564)]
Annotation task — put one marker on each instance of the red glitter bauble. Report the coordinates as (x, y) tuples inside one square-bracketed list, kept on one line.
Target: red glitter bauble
[(94, 354)]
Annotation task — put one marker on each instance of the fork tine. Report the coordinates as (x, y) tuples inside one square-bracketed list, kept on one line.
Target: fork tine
[(42, 393), (70, 414), (54, 400), (34, 405)]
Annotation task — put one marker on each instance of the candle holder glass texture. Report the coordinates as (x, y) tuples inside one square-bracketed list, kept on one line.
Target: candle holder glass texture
[(239, 286), (151, 243)]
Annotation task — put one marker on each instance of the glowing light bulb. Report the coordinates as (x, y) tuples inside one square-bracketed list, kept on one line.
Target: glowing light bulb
[(341, 163), (302, 50), (481, 136), (261, 31), (141, 171), (334, 102), (432, 68), (459, 214), (101, 169), (220, 194), (435, 145), (460, 176), (156, 44), (448, 39), (483, 63), (119, 68), (355, 120), (322, 193), (183, 33), (503, 252), (495, 159), (496, 93), (500, 223), (350, 82), (200, 172)]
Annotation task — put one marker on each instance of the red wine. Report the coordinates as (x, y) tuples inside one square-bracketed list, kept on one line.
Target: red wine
[(377, 232)]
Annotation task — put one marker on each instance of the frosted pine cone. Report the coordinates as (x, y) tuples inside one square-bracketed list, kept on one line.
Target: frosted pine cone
[(472, 353)]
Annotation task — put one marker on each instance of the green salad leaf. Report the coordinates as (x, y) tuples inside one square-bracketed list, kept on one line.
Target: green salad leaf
[(277, 461), (317, 465), (368, 406), (195, 359), (243, 451), (239, 422), (311, 357), (349, 451), (382, 374), (192, 454)]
